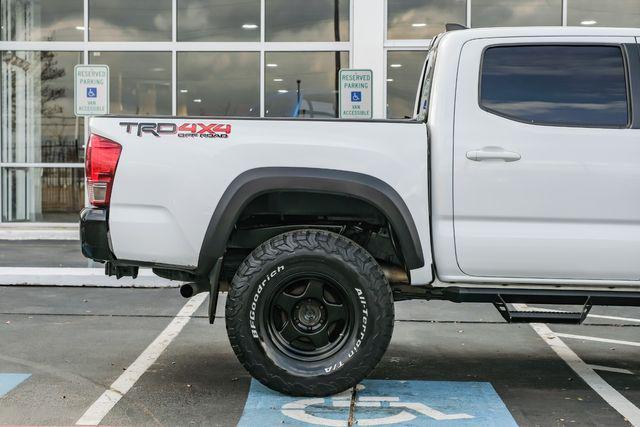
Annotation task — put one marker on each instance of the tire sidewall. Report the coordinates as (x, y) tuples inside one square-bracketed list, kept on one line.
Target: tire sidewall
[(264, 283)]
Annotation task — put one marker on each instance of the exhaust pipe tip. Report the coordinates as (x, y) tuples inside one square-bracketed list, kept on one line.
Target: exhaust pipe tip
[(187, 290), (190, 289)]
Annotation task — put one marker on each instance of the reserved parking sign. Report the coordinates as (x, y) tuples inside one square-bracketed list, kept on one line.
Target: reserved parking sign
[(355, 94), (91, 90)]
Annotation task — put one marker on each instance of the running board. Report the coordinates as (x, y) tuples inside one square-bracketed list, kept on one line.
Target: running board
[(501, 298)]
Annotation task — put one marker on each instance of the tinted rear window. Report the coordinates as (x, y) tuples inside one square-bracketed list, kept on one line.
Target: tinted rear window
[(558, 85)]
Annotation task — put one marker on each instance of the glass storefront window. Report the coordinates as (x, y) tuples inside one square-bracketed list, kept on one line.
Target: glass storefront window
[(218, 83), (515, 13), (41, 20), (41, 194), (308, 21), (36, 99), (403, 75), (219, 20), (302, 84), (619, 13), (423, 19), (126, 20), (140, 82)]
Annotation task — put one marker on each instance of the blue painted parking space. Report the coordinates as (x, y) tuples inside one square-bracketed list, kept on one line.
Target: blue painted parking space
[(383, 402), (10, 381)]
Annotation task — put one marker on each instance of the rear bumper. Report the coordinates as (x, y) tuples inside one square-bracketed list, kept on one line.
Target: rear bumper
[(94, 234)]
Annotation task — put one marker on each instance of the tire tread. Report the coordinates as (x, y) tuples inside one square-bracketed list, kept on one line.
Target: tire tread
[(334, 245)]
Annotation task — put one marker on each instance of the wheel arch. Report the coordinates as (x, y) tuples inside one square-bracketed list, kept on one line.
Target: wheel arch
[(256, 182)]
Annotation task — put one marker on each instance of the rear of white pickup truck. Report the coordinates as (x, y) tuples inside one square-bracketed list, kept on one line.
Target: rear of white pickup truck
[(170, 175), (306, 221)]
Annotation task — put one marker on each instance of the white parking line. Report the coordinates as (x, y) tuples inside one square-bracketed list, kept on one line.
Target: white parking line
[(101, 407), (597, 316), (611, 369), (588, 375), (607, 340), (623, 319), (78, 276)]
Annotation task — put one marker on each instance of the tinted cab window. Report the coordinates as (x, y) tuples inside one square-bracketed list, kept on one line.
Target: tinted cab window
[(556, 85)]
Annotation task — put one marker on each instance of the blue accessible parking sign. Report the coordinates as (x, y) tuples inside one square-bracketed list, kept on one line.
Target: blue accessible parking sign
[(92, 92), (383, 402), (356, 90)]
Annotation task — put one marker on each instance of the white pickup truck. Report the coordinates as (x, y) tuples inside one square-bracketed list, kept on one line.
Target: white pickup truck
[(517, 180)]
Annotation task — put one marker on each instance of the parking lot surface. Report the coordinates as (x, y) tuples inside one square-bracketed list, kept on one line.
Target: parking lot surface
[(63, 348)]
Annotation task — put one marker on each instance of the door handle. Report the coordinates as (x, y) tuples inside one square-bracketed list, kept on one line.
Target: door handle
[(492, 153)]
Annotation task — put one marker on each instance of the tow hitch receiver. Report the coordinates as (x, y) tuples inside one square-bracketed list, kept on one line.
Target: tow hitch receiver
[(120, 270)]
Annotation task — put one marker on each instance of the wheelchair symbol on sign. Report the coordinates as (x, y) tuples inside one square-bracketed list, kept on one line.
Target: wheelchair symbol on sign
[(356, 96), (405, 411), (92, 92)]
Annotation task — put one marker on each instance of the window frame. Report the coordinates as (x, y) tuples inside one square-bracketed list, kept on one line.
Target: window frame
[(625, 61), (428, 67), (84, 45)]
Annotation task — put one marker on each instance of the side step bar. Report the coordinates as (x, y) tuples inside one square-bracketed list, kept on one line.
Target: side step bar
[(512, 315), (536, 296), (501, 298)]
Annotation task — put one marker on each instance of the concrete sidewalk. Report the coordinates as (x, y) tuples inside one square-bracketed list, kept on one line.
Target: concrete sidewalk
[(60, 262)]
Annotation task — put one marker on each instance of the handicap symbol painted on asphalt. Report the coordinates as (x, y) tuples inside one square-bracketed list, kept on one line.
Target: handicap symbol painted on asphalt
[(356, 96), (92, 92), (10, 381), (381, 402)]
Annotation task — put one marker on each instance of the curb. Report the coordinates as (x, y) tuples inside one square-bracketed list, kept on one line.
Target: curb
[(39, 276), (39, 234)]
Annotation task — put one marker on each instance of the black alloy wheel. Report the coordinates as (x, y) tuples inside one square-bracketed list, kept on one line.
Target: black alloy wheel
[(310, 317), (309, 313)]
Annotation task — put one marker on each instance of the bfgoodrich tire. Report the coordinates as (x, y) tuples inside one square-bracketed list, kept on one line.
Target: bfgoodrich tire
[(309, 313)]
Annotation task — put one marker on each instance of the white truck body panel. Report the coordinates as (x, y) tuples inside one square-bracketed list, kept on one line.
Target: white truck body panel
[(566, 210), (566, 213), (166, 188)]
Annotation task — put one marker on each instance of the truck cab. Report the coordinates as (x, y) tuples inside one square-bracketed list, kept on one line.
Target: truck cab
[(541, 131)]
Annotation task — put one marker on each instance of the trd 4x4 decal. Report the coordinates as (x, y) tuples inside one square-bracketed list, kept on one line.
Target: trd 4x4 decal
[(184, 130)]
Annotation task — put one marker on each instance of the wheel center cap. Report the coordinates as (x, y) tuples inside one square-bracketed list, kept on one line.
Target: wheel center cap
[(309, 313)]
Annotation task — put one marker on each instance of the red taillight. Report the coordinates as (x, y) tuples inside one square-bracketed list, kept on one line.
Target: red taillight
[(101, 162)]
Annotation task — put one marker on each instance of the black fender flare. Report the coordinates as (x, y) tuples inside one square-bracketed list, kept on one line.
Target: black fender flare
[(255, 182)]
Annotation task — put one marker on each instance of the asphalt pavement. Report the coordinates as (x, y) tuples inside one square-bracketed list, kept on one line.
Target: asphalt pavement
[(62, 349)]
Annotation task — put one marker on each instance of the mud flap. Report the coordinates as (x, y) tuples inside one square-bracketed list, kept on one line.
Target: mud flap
[(214, 281)]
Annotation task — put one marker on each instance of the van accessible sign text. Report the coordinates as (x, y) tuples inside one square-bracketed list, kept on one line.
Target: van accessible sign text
[(355, 94), (91, 90)]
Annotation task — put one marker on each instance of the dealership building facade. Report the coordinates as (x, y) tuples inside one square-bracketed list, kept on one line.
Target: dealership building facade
[(250, 58)]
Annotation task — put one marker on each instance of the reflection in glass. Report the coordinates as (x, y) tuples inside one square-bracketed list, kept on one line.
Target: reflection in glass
[(619, 13), (562, 85), (41, 20), (219, 83), (139, 82), (308, 21), (126, 20), (41, 194), (515, 13), (219, 20), (303, 84), (403, 76), (38, 122), (423, 19)]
